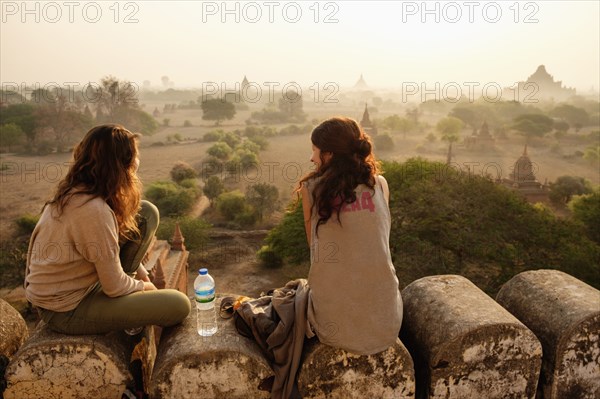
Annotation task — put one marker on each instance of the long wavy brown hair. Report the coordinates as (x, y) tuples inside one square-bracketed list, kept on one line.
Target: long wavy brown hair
[(104, 165), (352, 163)]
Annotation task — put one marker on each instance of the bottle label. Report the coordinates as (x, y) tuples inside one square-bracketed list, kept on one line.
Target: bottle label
[(205, 296)]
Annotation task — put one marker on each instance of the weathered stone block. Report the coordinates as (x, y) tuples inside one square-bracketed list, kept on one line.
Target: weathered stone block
[(225, 365), (13, 329), (334, 373), (84, 366), (564, 313), (464, 344)]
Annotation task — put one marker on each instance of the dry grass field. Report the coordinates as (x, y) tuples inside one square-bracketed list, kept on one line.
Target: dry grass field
[(29, 180)]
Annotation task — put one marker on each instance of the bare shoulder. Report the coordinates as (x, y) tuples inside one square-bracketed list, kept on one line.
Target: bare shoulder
[(385, 187)]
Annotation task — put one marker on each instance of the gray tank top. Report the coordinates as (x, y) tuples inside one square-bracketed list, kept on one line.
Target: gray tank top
[(354, 301)]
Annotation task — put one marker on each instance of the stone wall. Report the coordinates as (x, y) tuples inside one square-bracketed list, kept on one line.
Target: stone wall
[(540, 339)]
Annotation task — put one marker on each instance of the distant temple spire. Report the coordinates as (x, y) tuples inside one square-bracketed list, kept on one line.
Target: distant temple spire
[(177, 240), (361, 84), (522, 179), (366, 120), (543, 85), (366, 124)]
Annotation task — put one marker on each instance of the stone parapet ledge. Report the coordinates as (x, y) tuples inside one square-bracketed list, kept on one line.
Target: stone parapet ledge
[(464, 344), (83, 366), (564, 313), (226, 365), (13, 330), (328, 372)]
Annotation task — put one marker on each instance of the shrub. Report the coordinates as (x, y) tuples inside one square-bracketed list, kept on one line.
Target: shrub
[(290, 130), (586, 209), (247, 158), (287, 240), (565, 187), (257, 131), (172, 199), (263, 198), (231, 139), (249, 145), (220, 150), (182, 171), (45, 147), (194, 231), (248, 217), (210, 167), (435, 230), (213, 135), (261, 141), (187, 123), (383, 142), (268, 257), (26, 223), (231, 204), (213, 188)]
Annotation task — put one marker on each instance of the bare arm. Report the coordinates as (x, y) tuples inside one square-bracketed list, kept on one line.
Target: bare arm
[(306, 211)]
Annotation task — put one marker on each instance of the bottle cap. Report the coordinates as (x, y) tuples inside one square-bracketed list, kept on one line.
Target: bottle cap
[(203, 271)]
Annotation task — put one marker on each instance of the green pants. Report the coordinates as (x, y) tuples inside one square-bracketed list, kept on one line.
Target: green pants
[(98, 314)]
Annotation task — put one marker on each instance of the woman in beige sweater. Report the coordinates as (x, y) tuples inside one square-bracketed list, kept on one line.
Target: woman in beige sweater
[(84, 269), (354, 300)]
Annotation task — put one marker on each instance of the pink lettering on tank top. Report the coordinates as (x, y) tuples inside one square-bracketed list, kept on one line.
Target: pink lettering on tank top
[(364, 203)]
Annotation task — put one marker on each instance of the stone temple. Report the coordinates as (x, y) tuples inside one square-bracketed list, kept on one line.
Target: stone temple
[(480, 140), (539, 86), (522, 179)]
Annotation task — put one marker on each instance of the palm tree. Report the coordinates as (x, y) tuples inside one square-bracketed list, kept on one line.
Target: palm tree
[(449, 129)]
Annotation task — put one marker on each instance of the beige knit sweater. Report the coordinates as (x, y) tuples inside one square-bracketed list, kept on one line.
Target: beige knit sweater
[(69, 253)]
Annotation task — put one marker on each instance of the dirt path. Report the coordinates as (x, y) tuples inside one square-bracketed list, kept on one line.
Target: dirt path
[(200, 207), (231, 260)]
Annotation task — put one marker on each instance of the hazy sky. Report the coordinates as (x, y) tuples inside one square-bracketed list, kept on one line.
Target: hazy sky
[(389, 42)]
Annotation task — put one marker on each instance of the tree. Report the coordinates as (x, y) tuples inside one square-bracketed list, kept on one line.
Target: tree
[(62, 119), (413, 114), (586, 209), (561, 126), (592, 154), (22, 115), (115, 99), (231, 204), (565, 187), (231, 139), (467, 115), (172, 199), (383, 142), (532, 125), (260, 141), (10, 134), (396, 123), (573, 115), (117, 102), (291, 106), (217, 110), (449, 128), (220, 150), (263, 197), (181, 171), (213, 188)]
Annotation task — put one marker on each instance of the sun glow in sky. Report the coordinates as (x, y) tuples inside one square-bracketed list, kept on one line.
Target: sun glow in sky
[(389, 42)]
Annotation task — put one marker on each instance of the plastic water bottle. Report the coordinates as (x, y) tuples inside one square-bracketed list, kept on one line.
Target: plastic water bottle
[(204, 287)]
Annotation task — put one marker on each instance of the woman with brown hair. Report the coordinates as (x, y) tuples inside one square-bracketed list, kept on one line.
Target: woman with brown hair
[(84, 269), (355, 303)]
